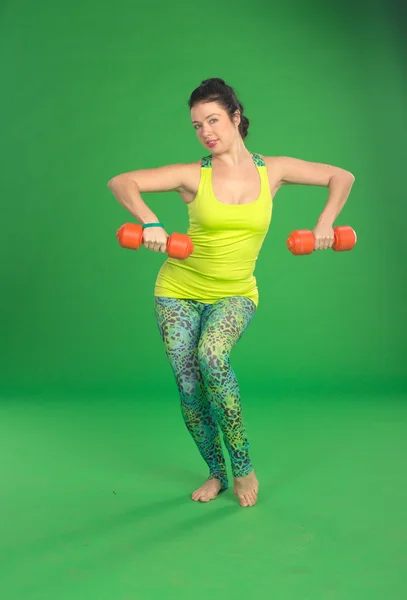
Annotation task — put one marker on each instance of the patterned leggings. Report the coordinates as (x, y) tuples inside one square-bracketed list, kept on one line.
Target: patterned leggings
[(198, 340)]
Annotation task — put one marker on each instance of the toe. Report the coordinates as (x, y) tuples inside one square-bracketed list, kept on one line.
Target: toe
[(244, 501), (253, 499), (248, 499)]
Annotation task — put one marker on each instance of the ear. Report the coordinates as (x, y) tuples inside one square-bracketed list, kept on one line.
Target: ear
[(237, 117)]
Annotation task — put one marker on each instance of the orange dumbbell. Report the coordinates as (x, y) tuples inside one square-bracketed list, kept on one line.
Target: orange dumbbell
[(302, 241), (179, 245)]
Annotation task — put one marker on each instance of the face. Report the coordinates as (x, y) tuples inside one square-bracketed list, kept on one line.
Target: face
[(214, 129)]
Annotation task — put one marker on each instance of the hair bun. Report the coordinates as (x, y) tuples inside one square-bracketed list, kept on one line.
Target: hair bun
[(214, 80)]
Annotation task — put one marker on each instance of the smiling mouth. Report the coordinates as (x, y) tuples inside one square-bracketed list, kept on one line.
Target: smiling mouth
[(212, 143)]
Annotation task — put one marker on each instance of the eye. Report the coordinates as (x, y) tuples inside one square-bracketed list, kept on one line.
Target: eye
[(214, 120)]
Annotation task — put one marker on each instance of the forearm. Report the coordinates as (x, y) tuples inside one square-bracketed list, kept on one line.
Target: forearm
[(126, 192), (339, 190)]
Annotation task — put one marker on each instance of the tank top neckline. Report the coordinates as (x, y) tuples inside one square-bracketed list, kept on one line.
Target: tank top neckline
[(258, 161)]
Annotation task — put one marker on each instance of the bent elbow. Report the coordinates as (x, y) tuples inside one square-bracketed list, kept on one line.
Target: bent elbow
[(113, 182), (345, 176)]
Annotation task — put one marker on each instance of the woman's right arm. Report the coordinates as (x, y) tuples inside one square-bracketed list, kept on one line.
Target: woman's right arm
[(128, 187)]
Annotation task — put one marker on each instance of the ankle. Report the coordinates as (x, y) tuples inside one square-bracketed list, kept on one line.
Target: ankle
[(247, 474), (221, 479)]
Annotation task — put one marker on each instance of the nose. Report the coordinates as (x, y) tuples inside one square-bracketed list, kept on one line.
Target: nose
[(206, 130)]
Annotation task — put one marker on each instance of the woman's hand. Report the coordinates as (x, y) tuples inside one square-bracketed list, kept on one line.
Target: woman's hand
[(155, 238), (324, 236)]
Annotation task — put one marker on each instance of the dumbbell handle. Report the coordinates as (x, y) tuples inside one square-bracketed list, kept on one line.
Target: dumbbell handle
[(302, 241), (130, 235)]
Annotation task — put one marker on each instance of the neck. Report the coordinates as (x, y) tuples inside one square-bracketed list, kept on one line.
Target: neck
[(234, 156)]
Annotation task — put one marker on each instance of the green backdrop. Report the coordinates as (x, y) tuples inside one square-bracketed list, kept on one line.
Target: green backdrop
[(91, 90), (96, 465)]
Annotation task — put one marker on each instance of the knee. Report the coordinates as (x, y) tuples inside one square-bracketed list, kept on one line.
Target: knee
[(186, 373), (187, 382), (212, 361)]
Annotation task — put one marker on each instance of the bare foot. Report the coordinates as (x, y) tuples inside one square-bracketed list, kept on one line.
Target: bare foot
[(208, 491), (246, 489)]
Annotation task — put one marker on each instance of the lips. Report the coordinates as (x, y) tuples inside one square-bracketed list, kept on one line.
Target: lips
[(212, 143)]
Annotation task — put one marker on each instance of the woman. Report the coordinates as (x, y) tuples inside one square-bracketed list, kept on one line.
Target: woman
[(204, 304)]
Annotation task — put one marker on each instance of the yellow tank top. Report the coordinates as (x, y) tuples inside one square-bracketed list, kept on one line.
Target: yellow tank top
[(227, 239)]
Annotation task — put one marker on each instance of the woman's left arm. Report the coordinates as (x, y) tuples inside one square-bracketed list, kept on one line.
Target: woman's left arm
[(284, 170)]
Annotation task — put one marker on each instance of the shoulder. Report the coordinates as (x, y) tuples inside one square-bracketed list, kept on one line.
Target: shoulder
[(191, 176), (290, 170), (274, 164), (275, 167), (192, 169), (271, 161)]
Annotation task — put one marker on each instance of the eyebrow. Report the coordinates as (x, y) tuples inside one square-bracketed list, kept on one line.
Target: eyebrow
[(217, 114)]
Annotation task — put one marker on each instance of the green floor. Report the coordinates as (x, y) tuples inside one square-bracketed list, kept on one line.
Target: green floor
[(95, 502)]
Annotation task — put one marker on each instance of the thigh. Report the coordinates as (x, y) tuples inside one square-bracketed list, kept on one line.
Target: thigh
[(223, 324), (179, 323)]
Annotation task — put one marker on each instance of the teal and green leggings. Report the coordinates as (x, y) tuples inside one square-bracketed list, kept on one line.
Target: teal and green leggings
[(198, 340)]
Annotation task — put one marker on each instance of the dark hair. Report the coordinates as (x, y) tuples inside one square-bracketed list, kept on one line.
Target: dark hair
[(216, 90)]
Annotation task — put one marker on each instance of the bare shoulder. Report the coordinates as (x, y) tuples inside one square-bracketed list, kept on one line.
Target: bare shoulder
[(273, 172), (177, 177), (191, 180), (287, 170)]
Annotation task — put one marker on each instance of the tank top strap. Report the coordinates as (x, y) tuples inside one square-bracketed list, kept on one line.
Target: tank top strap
[(257, 159), (206, 161)]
